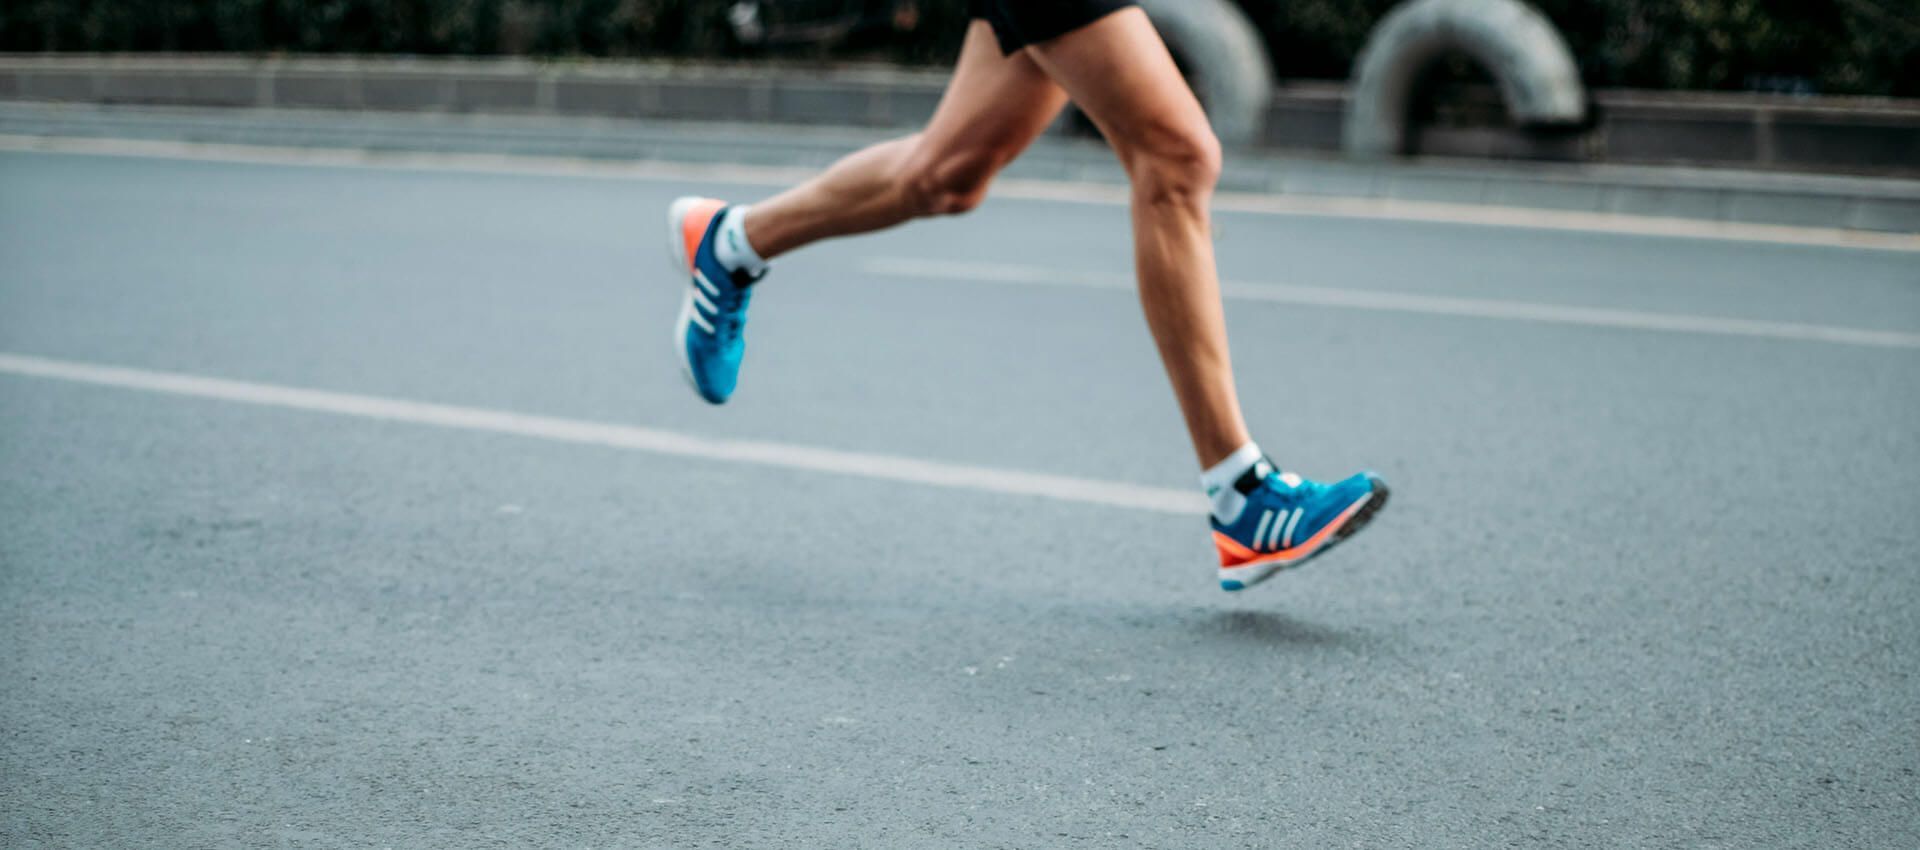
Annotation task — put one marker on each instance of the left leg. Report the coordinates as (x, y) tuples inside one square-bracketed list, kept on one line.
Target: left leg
[(1119, 72)]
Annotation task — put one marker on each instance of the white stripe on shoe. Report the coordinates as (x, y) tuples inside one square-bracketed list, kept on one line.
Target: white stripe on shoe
[(1293, 522), (694, 316), (701, 299), (1260, 534), (700, 277)]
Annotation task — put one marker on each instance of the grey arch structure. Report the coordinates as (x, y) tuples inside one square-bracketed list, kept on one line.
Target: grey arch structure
[(1517, 44), (1225, 61)]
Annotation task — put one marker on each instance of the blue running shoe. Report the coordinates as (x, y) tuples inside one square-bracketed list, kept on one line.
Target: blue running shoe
[(1289, 521), (714, 312)]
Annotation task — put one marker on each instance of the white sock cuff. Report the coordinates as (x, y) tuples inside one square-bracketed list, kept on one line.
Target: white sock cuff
[(1227, 471), (1218, 482), (733, 250)]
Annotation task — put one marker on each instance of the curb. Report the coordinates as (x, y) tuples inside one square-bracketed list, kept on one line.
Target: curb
[(1848, 203), (849, 96)]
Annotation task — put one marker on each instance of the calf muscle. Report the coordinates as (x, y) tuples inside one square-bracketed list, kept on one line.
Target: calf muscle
[(1119, 72)]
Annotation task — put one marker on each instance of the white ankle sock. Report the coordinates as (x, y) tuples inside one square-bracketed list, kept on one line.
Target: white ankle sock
[(1218, 482), (732, 248)]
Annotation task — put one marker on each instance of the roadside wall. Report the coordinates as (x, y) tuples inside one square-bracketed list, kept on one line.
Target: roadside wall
[(1841, 135)]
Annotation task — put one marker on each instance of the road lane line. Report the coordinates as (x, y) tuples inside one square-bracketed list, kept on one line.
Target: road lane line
[(655, 441), (1307, 206), (1400, 302)]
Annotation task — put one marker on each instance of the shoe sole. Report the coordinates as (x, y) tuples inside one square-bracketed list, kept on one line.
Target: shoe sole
[(1241, 578), (677, 255)]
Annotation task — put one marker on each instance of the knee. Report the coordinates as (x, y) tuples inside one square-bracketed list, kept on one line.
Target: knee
[(949, 181), (1175, 166)]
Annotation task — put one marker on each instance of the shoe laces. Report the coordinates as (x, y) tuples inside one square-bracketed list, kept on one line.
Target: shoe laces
[(732, 313), (1289, 485)]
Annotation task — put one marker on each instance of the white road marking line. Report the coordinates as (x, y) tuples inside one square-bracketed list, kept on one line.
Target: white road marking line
[(1400, 302), (1571, 221), (1311, 206), (786, 456), (391, 160)]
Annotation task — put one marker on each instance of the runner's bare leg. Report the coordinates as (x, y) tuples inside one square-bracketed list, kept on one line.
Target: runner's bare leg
[(1119, 72), (994, 107)]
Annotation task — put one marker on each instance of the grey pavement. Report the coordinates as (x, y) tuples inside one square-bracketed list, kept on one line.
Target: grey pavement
[(1636, 588)]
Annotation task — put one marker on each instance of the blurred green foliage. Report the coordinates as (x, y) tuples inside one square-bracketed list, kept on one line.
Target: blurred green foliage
[(1834, 46)]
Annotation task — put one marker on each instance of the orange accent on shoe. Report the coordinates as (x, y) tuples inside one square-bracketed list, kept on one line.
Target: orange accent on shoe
[(694, 226), (1231, 552), (1300, 549)]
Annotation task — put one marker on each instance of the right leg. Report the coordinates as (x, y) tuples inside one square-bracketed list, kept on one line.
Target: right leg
[(993, 109)]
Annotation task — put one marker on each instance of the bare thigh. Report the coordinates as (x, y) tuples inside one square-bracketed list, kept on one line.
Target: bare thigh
[(1119, 72), (994, 107)]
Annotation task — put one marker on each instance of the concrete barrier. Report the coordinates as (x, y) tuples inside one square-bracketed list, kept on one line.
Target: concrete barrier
[(1873, 136), (1224, 59), (1519, 46)]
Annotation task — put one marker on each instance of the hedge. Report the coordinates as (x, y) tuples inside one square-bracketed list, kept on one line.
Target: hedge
[(1833, 46)]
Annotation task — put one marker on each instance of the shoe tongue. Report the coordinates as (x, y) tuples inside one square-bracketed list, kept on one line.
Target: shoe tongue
[(1250, 480), (1290, 479)]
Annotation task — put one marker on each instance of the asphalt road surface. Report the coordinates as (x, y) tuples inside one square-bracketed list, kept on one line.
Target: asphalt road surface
[(1648, 578)]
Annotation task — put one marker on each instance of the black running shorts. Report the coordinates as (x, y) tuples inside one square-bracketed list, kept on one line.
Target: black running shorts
[(1018, 23)]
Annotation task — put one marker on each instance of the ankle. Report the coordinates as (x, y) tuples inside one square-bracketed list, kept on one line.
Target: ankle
[(732, 247), (1221, 481)]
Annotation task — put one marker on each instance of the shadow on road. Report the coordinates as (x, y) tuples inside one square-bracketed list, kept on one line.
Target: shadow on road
[(1271, 629)]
